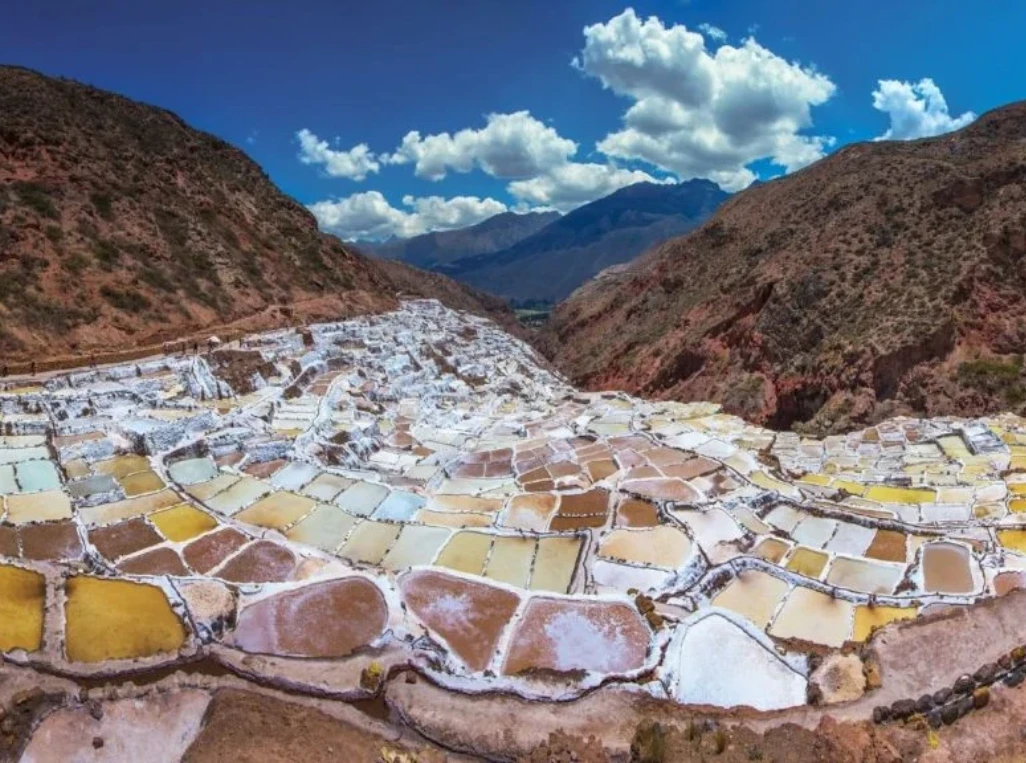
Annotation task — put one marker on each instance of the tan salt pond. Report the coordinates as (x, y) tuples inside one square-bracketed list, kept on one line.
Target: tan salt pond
[(38, 507), (369, 542), (131, 507), (510, 560), (530, 511), (555, 564), (325, 528), (453, 519), (753, 594), (864, 576), (466, 552), (277, 510), (946, 568), (240, 495), (203, 491), (813, 616), (659, 546), (416, 545), (771, 549)]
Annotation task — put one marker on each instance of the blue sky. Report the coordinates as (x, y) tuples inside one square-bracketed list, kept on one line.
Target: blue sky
[(586, 95)]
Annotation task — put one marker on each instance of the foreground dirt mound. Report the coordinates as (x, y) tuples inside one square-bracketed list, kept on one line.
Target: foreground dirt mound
[(121, 226), (887, 278)]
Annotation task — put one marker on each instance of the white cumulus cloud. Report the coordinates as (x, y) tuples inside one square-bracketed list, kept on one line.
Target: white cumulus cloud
[(698, 112), (713, 32), (354, 164), (915, 109), (369, 215), (509, 146), (572, 184)]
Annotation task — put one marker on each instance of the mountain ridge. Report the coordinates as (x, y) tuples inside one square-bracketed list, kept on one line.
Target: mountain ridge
[(122, 226), (597, 235), (883, 279)]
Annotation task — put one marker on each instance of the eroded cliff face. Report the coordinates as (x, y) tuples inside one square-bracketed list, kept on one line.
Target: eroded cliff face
[(887, 278)]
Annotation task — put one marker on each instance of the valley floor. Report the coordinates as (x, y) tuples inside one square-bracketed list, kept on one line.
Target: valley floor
[(401, 537)]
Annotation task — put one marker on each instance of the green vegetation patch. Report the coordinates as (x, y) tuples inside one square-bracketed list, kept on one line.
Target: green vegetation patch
[(995, 377), (36, 197), (129, 300)]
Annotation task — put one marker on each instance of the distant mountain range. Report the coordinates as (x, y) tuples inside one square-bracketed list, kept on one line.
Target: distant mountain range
[(543, 257), (435, 250)]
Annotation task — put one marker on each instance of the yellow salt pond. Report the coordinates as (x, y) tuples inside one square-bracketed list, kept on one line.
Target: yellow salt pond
[(22, 603), (1013, 539), (867, 619), (182, 523), (140, 483), (807, 562), (118, 620)]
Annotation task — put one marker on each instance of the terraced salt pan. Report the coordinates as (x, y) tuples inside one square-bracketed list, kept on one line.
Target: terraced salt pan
[(815, 617), (326, 527), (720, 663)]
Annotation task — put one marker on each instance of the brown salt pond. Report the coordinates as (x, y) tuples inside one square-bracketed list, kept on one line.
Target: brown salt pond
[(206, 553), (330, 619), (53, 541), (261, 562), (124, 538), (470, 616), (946, 568), (159, 561), (566, 635)]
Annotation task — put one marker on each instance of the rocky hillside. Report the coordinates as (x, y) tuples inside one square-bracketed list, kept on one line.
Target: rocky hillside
[(887, 278), (550, 264), (432, 250), (121, 226)]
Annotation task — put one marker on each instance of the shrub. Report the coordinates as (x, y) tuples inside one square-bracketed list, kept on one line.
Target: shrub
[(36, 197), (128, 300), (102, 205)]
